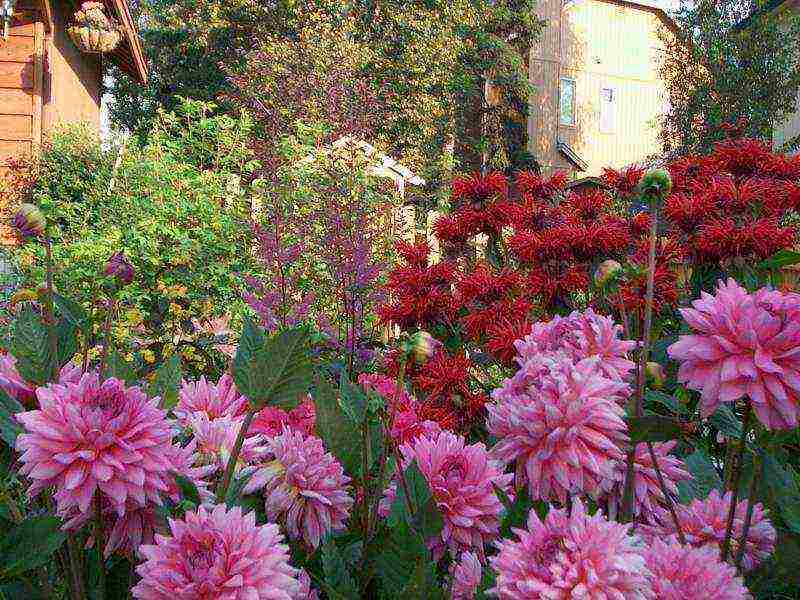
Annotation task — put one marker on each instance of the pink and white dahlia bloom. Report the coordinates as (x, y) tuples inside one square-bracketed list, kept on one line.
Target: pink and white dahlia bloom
[(462, 479), (744, 345), (91, 437), (565, 434), (214, 400), (684, 572), (704, 523), (304, 487), (566, 557), (216, 438), (271, 420), (217, 555), (467, 575), (12, 383), (139, 524), (646, 489), (581, 335)]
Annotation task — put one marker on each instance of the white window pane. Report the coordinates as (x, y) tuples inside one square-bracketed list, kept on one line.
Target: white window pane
[(567, 102), (607, 110)]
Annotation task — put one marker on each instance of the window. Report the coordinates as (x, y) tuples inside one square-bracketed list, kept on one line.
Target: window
[(566, 102), (607, 100)]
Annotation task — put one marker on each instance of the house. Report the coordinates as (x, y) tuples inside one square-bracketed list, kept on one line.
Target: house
[(45, 78), (598, 91)]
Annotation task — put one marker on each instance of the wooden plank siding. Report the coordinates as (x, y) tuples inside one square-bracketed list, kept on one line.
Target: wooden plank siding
[(21, 82), (603, 45)]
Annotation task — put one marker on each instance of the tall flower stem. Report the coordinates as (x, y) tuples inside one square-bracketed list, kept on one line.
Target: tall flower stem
[(73, 552), (112, 306), (666, 494), (100, 545), (222, 489), (49, 311), (736, 474), (748, 518), (644, 354)]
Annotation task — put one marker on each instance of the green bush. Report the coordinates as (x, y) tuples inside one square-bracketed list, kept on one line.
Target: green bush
[(175, 205)]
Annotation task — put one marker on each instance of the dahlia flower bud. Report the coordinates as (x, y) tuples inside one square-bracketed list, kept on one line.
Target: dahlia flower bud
[(422, 345), (657, 182), (606, 271), (655, 375), (120, 268), (29, 221)]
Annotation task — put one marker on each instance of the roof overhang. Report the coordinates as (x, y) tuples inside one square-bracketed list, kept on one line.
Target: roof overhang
[(571, 155)]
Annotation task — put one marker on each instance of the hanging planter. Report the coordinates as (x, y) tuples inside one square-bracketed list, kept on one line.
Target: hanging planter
[(94, 32)]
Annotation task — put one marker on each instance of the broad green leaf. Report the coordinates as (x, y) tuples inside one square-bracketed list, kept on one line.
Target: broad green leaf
[(426, 519), (167, 381), (653, 428), (669, 402), (354, 400), (9, 428), (338, 580), (251, 341), (726, 422), (67, 341), (400, 551), (782, 485), (188, 489), (29, 545), (31, 347), (120, 368), (782, 258), (278, 373), (488, 581), (342, 436), (704, 477), (74, 313)]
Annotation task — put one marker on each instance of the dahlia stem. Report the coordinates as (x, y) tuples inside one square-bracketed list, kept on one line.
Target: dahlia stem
[(49, 313), (737, 472), (107, 336), (644, 354), (727, 467), (665, 492), (75, 568), (222, 490), (100, 545), (749, 513)]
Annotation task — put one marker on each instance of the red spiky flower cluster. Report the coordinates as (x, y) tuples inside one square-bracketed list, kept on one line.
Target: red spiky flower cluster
[(732, 203)]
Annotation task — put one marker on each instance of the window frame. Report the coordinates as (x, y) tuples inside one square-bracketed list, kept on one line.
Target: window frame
[(574, 103)]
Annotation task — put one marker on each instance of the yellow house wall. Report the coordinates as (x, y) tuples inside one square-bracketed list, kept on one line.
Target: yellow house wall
[(600, 45)]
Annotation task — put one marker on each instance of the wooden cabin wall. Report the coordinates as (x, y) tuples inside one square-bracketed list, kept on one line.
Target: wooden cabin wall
[(21, 79), (73, 87)]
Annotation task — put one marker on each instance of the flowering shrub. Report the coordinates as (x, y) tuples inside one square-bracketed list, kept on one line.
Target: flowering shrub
[(595, 441)]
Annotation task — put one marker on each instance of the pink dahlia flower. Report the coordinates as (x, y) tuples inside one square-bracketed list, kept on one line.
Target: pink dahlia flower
[(683, 572), (571, 556), (581, 335), (704, 523), (215, 401), (216, 438), (138, 525), (467, 575), (647, 491), (217, 555), (271, 420), (744, 345), (462, 479), (12, 383), (566, 434), (303, 487), (89, 438)]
